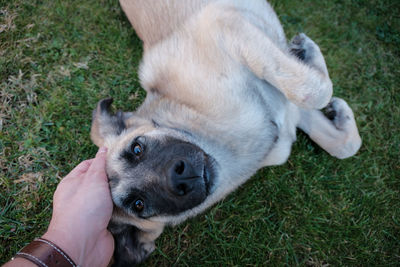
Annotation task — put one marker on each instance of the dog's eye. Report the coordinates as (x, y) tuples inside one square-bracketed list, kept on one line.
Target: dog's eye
[(137, 149), (139, 205)]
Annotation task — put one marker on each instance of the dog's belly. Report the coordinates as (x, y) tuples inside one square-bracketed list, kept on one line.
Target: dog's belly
[(147, 16)]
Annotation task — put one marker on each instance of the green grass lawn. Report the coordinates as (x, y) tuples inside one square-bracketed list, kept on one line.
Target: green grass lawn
[(58, 58)]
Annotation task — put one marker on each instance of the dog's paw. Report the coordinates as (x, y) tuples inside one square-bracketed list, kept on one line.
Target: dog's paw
[(297, 46), (302, 47), (342, 117), (339, 113), (308, 51)]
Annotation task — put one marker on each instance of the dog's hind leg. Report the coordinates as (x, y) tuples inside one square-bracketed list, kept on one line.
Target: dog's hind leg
[(336, 132)]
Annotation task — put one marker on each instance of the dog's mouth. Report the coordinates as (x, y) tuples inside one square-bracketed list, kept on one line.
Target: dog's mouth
[(206, 179), (208, 174)]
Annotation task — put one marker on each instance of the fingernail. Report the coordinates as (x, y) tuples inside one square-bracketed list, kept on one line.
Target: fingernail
[(102, 149)]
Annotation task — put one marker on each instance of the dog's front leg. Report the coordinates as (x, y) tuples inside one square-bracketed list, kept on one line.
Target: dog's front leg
[(305, 85)]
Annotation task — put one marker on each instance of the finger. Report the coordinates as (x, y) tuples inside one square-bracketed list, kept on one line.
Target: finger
[(97, 169), (81, 168)]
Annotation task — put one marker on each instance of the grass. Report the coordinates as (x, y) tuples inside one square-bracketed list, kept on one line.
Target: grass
[(58, 58)]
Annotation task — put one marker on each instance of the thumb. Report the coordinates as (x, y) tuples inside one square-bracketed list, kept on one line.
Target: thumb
[(98, 167)]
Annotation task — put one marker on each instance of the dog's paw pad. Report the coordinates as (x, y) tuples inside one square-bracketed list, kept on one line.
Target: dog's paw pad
[(297, 46), (299, 53), (300, 46), (339, 113)]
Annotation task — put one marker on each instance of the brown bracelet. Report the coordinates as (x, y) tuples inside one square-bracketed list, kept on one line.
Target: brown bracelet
[(45, 253)]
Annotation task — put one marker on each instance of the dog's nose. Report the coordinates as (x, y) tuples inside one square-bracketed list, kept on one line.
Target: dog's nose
[(183, 177)]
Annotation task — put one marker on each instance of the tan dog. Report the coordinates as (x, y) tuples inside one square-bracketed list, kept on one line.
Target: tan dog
[(225, 93)]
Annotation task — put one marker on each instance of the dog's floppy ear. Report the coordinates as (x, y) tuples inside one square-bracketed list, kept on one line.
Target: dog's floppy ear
[(105, 124), (131, 246)]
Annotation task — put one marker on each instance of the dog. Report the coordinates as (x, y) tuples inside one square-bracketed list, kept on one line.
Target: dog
[(225, 94)]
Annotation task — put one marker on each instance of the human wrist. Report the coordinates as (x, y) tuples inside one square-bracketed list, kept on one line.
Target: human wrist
[(73, 247)]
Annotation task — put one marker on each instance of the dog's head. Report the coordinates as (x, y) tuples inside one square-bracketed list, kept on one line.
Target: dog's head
[(153, 171)]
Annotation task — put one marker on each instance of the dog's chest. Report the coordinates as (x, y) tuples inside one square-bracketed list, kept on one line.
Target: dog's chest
[(236, 107)]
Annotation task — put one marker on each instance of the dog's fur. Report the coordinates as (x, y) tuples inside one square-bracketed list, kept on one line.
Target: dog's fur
[(225, 93)]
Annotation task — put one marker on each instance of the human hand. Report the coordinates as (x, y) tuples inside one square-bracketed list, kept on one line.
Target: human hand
[(82, 209)]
